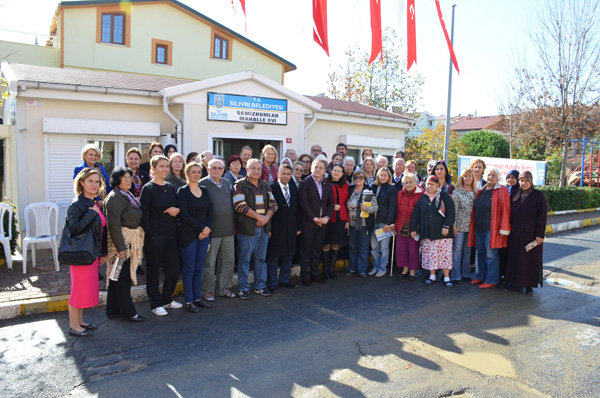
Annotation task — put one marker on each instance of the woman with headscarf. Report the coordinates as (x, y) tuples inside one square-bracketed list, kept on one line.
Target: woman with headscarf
[(529, 211), (433, 220), (489, 229), (169, 150), (512, 184)]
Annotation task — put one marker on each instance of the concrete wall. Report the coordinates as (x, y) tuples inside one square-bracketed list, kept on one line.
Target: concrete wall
[(191, 46), (28, 54)]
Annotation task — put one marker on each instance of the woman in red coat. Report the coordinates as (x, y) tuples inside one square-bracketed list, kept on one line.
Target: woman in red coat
[(336, 232), (490, 227), (407, 249)]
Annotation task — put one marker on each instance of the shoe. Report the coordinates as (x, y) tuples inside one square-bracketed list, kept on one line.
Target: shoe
[(160, 311), (173, 304), (208, 296), (139, 271), (73, 332), (332, 263), (137, 318), (467, 279), (529, 291), (430, 281), (373, 272), (412, 278), (306, 283), (457, 282), (273, 289), (380, 274), (350, 273), (189, 307), (364, 276), (202, 304), (229, 295), (486, 285), (404, 275), (89, 326), (263, 292), (448, 283), (244, 295), (319, 279), (289, 285), (476, 282)]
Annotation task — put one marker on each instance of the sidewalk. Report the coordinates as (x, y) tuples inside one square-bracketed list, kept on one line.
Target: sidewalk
[(43, 289)]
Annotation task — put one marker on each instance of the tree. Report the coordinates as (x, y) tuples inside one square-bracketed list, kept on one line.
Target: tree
[(381, 84), (485, 143), (430, 146), (561, 91)]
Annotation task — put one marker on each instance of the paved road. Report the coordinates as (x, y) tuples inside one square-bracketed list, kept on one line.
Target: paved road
[(350, 338)]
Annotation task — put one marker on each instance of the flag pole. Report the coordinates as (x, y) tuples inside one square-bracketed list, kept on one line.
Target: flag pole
[(447, 137)]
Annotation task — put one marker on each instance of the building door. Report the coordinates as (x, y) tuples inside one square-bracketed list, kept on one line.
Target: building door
[(230, 146)]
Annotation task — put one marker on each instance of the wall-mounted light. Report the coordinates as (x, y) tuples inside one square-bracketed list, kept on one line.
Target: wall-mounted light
[(248, 126)]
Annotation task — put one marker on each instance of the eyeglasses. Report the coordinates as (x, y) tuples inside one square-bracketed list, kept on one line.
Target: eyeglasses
[(127, 177), (217, 168), (358, 178)]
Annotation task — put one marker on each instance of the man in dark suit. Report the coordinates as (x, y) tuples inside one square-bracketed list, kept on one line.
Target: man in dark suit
[(315, 199), (398, 173), (284, 229)]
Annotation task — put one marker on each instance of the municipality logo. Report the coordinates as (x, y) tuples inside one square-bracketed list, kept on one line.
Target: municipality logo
[(219, 100)]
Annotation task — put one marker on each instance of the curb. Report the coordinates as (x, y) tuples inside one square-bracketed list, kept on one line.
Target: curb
[(563, 212), (21, 308), (570, 225)]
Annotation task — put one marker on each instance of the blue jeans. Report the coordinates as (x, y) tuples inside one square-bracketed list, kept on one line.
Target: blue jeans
[(193, 256), (488, 261), (461, 257), (380, 250), (252, 244), (285, 262), (358, 251)]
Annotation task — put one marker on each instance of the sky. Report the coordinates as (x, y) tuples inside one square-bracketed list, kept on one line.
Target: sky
[(488, 34)]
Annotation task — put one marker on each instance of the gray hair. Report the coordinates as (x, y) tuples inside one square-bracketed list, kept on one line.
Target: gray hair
[(203, 154), (396, 160), (349, 158), (212, 161), (87, 148), (380, 157), (251, 162), (490, 169), (407, 176)]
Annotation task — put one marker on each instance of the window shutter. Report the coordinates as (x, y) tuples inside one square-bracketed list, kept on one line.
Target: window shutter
[(64, 154)]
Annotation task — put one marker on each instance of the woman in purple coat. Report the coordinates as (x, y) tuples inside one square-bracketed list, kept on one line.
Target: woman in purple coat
[(528, 221)]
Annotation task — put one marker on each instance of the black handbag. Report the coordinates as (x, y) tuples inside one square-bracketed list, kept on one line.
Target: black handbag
[(76, 249)]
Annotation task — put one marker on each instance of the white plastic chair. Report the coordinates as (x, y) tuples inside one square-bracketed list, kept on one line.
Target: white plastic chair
[(4, 239), (42, 214)]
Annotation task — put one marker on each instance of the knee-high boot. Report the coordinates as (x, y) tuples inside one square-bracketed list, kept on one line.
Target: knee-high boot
[(332, 260), (325, 255)]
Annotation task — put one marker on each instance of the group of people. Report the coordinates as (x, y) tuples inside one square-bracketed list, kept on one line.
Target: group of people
[(203, 215)]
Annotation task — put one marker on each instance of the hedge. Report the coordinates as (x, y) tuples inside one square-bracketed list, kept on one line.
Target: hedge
[(571, 198)]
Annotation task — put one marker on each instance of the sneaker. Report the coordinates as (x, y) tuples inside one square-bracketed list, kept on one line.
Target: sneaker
[(160, 311), (244, 295), (263, 292), (191, 308), (208, 296), (380, 274), (173, 304), (373, 272)]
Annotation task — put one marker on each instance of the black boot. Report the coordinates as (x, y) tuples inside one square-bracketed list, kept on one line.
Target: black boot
[(332, 261), (325, 256)]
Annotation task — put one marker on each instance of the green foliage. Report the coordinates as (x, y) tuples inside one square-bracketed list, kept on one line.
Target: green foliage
[(571, 198), (553, 165), (15, 230), (430, 146), (485, 143), (530, 150)]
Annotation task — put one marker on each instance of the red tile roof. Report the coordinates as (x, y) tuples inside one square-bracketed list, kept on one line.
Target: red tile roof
[(474, 123), (354, 107)]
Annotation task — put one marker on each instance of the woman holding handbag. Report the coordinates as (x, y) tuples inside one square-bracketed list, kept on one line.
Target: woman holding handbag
[(84, 217)]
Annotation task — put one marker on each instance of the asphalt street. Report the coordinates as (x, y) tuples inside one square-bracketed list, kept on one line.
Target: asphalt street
[(379, 337)]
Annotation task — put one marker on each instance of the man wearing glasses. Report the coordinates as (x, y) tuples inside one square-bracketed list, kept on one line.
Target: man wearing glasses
[(221, 236)]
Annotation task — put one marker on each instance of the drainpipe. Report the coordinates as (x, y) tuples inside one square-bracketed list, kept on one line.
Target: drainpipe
[(308, 126), (176, 121)]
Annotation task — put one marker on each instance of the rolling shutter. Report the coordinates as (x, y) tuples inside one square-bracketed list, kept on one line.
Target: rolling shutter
[(63, 155)]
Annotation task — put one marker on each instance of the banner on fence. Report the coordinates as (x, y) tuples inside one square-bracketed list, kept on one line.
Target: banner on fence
[(537, 168)]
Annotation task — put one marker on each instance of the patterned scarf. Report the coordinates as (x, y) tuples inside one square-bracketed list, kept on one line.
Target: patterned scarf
[(129, 197)]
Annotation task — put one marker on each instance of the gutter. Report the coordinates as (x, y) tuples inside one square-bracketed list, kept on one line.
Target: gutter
[(308, 126), (175, 120)]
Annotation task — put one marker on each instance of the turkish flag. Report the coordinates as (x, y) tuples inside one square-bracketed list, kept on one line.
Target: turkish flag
[(320, 28), (411, 34), (375, 30), (450, 48)]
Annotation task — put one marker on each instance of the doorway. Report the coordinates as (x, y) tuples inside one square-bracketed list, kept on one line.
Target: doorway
[(231, 146)]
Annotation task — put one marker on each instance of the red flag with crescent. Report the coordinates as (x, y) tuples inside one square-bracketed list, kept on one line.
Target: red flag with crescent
[(411, 42), (375, 30), (320, 20)]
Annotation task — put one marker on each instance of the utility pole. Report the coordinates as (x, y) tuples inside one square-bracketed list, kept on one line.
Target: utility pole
[(447, 137)]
